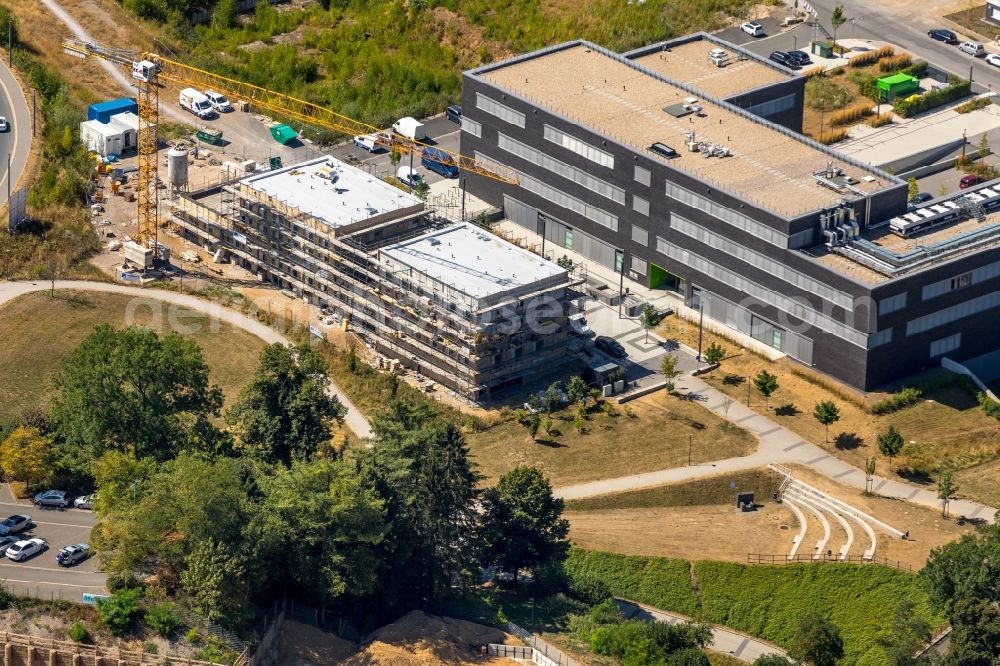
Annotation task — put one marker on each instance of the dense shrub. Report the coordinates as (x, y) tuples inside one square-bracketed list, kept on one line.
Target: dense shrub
[(917, 69), (894, 63), (832, 136), (120, 610), (656, 581), (767, 601), (881, 119), (956, 89), (78, 633), (163, 619), (973, 104), (906, 397), (824, 94), (851, 114), (988, 406)]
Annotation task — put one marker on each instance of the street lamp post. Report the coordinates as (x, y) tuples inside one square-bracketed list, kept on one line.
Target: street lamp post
[(701, 321), (852, 28), (690, 436), (972, 61), (795, 42)]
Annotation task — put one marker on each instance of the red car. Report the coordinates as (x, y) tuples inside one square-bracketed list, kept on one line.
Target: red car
[(968, 180)]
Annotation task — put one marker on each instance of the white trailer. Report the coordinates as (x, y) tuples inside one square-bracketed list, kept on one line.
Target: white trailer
[(103, 138)]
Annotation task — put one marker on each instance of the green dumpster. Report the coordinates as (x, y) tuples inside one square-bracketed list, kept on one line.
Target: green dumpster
[(283, 133), (274, 163), (822, 49), (897, 85)]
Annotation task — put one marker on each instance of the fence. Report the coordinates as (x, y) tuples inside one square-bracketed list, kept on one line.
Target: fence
[(223, 635), (322, 620), (24, 649), (543, 653), (758, 558), (267, 650)]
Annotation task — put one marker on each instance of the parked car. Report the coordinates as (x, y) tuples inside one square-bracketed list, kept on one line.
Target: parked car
[(70, 555), (801, 57), (409, 177), (51, 498), (454, 113), (15, 524), (968, 180), (753, 28), (6, 542), (923, 197), (782, 58), (974, 49), (367, 142), (578, 324), (942, 35), (85, 501), (438, 161), (22, 550), (219, 101), (993, 59), (4, 125), (610, 346)]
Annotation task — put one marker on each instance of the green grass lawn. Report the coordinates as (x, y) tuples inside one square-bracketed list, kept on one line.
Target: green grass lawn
[(766, 601), (656, 437), (39, 331)]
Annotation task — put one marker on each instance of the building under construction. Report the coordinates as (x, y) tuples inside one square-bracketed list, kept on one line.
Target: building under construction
[(452, 301)]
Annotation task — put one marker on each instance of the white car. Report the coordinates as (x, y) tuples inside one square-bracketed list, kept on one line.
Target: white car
[(993, 59), (219, 101), (4, 125), (22, 550), (85, 501), (752, 28), (578, 324)]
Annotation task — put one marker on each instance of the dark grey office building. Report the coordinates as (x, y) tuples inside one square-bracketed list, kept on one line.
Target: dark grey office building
[(686, 176)]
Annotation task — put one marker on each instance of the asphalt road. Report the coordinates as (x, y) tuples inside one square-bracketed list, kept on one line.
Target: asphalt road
[(16, 142), (41, 576), (866, 20)]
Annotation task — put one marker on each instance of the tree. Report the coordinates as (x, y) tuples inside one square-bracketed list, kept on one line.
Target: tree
[(648, 319), (913, 188), (576, 389), (827, 413), (394, 157), (531, 423), (773, 660), (766, 383), (552, 397), (946, 487), (869, 473), (668, 367), (285, 412), (837, 19), (905, 636), (127, 389), (225, 15), (715, 353), (522, 504), (984, 147), (212, 568), (890, 443), (965, 569), (975, 637), (25, 455), (120, 610), (688, 657), (817, 642)]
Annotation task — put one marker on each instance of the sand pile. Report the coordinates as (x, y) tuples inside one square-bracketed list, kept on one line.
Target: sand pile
[(305, 645), (419, 639)]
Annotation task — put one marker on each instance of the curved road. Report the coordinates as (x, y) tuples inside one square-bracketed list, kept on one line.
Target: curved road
[(10, 290), (16, 142)]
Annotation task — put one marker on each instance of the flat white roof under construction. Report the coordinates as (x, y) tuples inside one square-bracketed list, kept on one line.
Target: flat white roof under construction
[(332, 191), (472, 260)]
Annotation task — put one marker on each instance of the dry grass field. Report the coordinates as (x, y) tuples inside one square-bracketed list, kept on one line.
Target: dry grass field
[(39, 331), (656, 437)]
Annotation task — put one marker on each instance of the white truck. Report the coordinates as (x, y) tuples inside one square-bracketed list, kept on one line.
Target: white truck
[(195, 102), (366, 142), (409, 177), (411, 128)]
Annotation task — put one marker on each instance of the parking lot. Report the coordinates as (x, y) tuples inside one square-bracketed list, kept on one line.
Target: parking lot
[(40, 575)]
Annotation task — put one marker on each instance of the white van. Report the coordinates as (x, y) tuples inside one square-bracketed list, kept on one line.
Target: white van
[(196, 103), (411, 128), (367, 142), (219, 101), (408, 176)]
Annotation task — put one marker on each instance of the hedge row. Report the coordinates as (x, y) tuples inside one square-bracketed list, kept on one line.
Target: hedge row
[(906, 397), (656, 581), (957, 89)]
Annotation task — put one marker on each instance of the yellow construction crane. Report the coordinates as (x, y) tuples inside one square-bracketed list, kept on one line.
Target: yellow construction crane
[(149, 70)]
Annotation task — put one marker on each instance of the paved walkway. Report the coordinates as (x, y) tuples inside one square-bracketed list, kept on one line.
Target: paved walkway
[(777, 445), (10, 290), (724, 639)]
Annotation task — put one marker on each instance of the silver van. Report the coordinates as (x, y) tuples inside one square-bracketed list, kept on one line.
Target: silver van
[(973, 48)]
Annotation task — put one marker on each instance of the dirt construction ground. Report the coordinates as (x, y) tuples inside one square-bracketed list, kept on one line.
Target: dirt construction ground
[(416, 639)]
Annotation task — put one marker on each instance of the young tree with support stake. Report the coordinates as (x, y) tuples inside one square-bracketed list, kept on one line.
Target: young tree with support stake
[(869, 474), (715, 353), (827, 413), (837, 19), (648, 319), (946, 489), (766, 383), (890, 443), (668, 366)]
